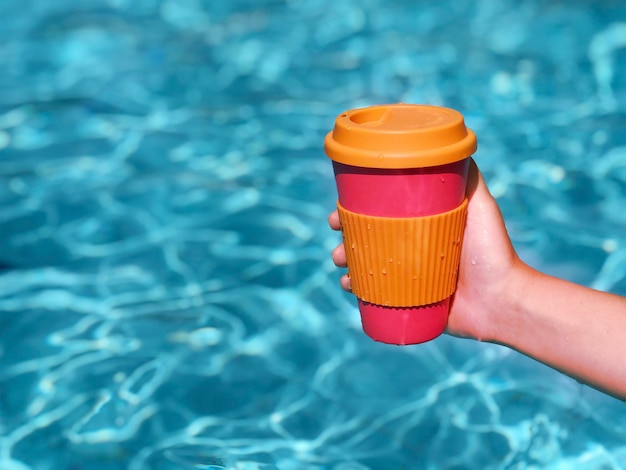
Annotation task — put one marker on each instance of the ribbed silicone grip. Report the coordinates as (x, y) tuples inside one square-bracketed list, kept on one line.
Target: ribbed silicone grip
[(403, 262)]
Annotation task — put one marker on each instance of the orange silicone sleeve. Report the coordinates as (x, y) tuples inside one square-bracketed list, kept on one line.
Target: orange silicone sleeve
[(403, 262)]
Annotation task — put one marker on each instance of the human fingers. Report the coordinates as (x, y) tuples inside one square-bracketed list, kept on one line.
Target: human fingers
[(345, 283), (339, 256), (333, 221)]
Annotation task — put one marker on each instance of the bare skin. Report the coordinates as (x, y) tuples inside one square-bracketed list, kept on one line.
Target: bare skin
[(499, 299)]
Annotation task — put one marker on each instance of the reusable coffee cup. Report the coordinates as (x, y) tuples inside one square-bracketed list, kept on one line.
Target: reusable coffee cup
[(401, 174)]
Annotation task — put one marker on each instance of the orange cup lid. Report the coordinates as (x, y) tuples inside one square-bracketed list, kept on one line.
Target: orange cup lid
[(400, 136)]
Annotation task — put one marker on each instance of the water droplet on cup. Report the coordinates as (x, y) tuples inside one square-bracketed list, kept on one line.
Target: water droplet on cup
[(474, 260), (384, 272)]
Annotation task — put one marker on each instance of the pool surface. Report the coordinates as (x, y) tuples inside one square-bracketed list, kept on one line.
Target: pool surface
[(167, 298)]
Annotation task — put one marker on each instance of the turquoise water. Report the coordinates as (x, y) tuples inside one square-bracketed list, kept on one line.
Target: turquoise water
[(167, 299)]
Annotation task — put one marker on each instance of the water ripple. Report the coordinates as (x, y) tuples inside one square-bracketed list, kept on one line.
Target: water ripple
[(167, 300)]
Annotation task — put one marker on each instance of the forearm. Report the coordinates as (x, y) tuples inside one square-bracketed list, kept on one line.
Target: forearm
[(577, 330)]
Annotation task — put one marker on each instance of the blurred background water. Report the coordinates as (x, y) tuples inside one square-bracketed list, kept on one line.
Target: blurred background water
[(167, 299)]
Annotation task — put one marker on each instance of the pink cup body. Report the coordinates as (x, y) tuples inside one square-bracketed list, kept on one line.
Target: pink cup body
[(414, 192)]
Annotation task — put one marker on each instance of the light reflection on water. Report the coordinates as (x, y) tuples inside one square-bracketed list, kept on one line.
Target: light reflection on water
[(166, 295)]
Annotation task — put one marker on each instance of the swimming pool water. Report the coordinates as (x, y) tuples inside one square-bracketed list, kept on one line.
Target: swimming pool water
[(167, 299)]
